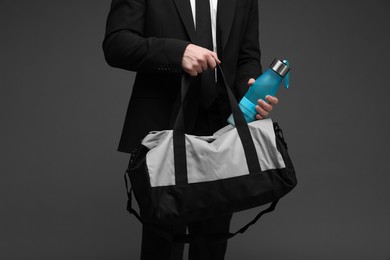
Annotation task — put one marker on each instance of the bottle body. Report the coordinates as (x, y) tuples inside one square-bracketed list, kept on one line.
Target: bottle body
[(267, 84)]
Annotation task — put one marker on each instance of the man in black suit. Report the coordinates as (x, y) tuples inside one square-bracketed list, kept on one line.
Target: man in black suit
[(162, 39)]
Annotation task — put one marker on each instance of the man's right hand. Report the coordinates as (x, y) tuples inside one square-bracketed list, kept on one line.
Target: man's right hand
[(197, 59)]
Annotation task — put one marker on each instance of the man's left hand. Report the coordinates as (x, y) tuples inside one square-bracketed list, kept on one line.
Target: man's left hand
[(263, 108)]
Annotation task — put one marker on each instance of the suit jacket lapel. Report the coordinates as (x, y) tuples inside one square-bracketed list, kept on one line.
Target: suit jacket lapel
[(184, 9), (225, 16)]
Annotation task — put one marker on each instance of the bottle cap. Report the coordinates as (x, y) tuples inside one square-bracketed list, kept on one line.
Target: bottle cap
[(279, 67)]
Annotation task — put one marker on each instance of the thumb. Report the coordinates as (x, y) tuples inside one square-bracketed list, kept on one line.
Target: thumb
[(251, 81)]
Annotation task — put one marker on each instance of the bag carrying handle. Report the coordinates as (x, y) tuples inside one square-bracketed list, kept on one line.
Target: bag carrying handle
[(244, 134)]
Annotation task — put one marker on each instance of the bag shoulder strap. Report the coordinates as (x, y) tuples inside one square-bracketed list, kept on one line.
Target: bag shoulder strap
[(190, 238)]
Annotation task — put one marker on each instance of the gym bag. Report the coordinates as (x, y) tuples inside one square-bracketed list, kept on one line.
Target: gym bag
[(177, 177)]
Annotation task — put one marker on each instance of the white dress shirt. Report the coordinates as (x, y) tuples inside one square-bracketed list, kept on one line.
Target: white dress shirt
[(213, 14)]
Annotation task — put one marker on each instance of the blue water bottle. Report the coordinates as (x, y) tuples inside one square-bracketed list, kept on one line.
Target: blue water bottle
[(267, 84)]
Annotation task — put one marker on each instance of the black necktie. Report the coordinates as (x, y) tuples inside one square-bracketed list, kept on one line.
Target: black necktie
[(204, 39)]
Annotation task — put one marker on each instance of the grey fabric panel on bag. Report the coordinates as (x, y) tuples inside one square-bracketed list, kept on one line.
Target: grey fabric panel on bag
[(222, 156)]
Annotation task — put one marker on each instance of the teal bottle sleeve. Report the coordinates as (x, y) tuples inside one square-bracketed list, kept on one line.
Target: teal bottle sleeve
[(248, 109)]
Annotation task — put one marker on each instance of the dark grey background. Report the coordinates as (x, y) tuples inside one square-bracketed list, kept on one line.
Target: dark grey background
[(62, 109)]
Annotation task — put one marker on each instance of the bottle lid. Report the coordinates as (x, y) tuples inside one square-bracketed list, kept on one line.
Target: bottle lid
[(279, 67)]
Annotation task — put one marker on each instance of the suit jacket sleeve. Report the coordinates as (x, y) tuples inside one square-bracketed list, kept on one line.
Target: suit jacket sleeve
[(126, 46), (248, 65)]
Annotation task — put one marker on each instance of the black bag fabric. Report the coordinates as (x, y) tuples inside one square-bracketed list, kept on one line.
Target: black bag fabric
[(187, 202)]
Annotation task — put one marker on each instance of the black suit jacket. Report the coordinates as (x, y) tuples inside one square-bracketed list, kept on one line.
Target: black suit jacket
[(150, 37)]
